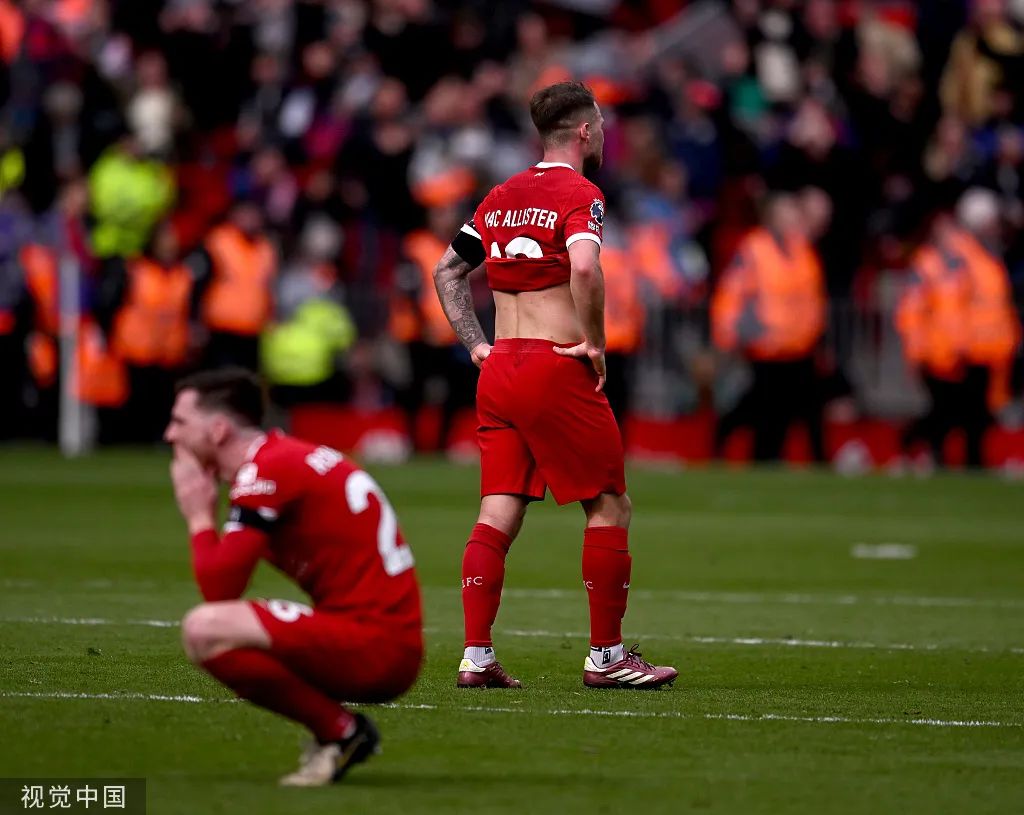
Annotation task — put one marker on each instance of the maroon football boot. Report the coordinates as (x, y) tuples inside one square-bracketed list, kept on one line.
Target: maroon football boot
[(628, 672), (472, 675)]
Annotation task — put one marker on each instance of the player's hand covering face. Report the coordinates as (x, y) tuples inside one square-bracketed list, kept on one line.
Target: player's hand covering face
[(195, 489), (189, 430)]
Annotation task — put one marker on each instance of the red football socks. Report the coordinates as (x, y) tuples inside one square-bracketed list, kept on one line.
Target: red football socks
[(483, 573), (606, 567), (257, 676)]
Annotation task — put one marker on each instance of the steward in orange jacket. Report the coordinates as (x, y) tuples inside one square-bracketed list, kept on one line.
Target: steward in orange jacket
[(770, 303), (42, 279), (144, 306), (993, 326), (418, 322), (98, 378), (416, 313), (932, 313), (625, 317), (235, 272), (769, 307), (151, 327), (960, 332), (39, 264)]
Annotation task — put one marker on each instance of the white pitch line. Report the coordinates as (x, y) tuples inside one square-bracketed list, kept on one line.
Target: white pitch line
[(742, 717), (754, 598), (90, 621), (629, 714), (874, 646), (883, 551), (148, 697), (790, 642), (784, 641), (709, 597)]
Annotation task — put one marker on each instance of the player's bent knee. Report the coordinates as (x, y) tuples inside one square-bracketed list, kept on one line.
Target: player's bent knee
[(201, 633), (193, 626), (210, 629)]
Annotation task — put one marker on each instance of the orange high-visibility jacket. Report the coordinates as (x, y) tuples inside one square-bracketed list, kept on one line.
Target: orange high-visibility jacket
[(932, 313), (649, 244), (423, 319), (993, 328), (770, 302), (100, 378), (624, 315), (39, 265), (151, 327), (239, 299)]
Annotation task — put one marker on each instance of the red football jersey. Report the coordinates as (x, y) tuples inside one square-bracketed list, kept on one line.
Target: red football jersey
[(329, 527), (528, 224)]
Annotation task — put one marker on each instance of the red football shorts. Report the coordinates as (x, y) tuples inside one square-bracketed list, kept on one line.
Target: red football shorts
[(542, 425), (350, 660)]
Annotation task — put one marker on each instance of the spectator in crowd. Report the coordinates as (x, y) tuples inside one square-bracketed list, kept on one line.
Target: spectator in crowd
[(129, 193), (153, 111), (301, 352), (117, 115), (985, 71)]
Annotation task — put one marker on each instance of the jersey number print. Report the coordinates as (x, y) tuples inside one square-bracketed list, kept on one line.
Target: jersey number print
[(396, 556)]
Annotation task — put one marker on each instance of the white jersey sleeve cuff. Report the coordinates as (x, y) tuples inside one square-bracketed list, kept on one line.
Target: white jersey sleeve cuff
[(582, 236)]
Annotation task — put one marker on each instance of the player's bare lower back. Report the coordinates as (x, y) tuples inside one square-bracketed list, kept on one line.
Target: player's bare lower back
[(548, 314)]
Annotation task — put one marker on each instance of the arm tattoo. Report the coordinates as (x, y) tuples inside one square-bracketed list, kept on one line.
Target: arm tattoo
[(451, 279)]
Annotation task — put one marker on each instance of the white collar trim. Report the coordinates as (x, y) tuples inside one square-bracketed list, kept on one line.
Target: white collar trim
[(546, 165)]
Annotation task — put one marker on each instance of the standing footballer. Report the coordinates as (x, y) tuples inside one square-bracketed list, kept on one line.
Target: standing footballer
[(544, 422)]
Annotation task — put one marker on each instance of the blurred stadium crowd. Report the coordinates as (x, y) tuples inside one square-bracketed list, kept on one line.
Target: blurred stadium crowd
[(270, 182)]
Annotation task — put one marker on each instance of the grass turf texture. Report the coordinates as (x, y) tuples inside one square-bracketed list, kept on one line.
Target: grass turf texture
[(802, 668)]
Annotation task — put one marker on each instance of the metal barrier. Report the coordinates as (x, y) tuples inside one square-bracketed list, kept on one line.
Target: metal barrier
[(861, 340)]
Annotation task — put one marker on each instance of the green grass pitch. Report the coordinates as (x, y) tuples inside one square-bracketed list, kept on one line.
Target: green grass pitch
[(811, 681)]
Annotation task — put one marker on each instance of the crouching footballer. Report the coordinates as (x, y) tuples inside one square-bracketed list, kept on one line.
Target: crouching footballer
[(324, 523)]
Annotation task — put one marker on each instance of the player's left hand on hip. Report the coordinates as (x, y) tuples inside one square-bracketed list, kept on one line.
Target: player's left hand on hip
[(592, 352), (479, 353), (195, 489)]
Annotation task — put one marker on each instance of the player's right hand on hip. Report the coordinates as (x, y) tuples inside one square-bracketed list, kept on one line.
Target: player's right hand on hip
[(480, 353), (595, 354)]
